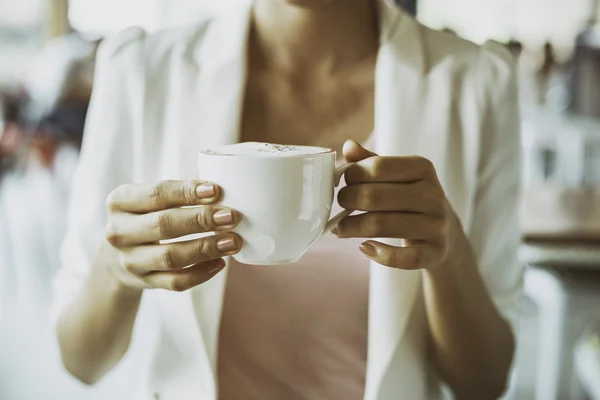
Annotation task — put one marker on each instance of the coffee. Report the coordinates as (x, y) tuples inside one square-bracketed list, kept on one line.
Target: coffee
[(264, 149)]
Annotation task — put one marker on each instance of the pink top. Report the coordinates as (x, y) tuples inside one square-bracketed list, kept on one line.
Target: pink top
[(297, 331)]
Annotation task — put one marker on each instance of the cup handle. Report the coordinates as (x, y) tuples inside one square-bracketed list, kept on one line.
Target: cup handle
[(339, 173)]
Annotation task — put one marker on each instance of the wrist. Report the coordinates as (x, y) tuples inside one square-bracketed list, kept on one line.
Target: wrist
[(459, 256), (443, 274), (450, 275), (120, 287), (113, 281)]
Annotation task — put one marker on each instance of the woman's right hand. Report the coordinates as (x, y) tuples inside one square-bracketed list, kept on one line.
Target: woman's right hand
[(139, 216)]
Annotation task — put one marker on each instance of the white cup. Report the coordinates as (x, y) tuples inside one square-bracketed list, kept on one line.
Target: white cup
[(285, 200)]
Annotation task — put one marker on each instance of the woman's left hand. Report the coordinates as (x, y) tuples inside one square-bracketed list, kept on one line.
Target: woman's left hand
[(402, 198)]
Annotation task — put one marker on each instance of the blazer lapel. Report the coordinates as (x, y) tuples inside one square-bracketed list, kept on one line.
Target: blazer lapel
[(221, 59), (393, 293), (214, 113)]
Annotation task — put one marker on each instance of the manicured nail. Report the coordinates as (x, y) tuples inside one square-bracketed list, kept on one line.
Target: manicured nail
[(227, 244), (223, 218), (368, 249), (206, 190)]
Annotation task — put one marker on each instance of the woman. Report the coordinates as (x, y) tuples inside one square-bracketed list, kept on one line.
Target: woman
[(311, 72)]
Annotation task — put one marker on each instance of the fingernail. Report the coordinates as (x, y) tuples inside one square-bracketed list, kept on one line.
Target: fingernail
[(223, 218), (335, 231), (368, 249), (227, 244), (206, 190)]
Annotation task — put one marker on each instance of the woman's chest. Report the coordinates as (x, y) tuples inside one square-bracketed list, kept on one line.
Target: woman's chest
[(323, 114)]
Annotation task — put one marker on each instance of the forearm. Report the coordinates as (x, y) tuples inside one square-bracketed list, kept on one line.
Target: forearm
[(95, 331), (472, 345)]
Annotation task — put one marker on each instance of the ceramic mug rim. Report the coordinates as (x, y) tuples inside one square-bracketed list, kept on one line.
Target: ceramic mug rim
[(322, 151)]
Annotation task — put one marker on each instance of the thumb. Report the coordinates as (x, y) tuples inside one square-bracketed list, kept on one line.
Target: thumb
[(354, 152)]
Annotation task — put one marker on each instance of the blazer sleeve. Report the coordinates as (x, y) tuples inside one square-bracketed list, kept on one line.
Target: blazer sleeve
[(106, 159), (495, 233)]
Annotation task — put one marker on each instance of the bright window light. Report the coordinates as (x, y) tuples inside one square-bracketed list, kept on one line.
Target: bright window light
[(529, 21), (110, 16)]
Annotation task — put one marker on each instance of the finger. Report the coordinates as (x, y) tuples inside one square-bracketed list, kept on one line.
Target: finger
[(161, 196), (140, 260), (390, 170), (185, 279), (354, 152), (412, 226), (421, 197), (132, 229), (406, 258)]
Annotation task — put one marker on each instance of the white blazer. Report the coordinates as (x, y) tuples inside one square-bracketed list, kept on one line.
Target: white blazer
[(160, 97)]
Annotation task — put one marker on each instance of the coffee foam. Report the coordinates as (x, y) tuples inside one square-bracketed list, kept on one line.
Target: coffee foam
[(265, 149)]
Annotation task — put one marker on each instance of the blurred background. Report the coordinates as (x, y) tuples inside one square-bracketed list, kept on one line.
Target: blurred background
[(47, 51)]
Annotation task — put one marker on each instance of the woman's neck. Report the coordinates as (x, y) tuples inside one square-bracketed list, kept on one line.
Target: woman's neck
[(304, 38)]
